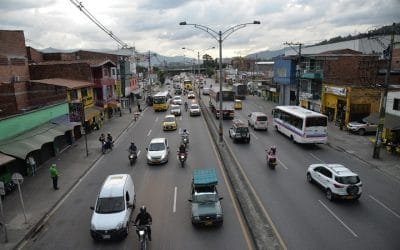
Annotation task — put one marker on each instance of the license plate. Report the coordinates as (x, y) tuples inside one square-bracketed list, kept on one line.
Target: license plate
[(208, 223), (106, 236), (348, 197)]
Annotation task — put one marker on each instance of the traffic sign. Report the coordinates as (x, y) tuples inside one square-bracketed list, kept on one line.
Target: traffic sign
[(17, 178)]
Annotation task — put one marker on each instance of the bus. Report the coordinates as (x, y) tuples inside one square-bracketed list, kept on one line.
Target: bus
[(301, 125), (228, 103), (160, 101), (188, 85)]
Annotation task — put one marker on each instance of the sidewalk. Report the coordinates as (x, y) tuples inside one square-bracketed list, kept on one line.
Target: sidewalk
[(37, 191), (355, 145)]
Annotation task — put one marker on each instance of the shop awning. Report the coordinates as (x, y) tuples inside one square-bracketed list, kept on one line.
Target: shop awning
[(32, 140), (64, 120), (392, 122), (5, 159), (113, 104), (92, 112)]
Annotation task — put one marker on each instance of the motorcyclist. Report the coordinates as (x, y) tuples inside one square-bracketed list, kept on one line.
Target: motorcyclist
[(185, 133), (132, 147), (272, 151), (144, 218), (102, 137), (109, 140), (182, 149), (186, 105)]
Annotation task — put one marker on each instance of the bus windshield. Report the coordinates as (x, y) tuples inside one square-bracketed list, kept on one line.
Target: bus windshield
[(159, 99)]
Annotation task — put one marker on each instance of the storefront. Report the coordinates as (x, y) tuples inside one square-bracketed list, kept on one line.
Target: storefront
[(343, 104)]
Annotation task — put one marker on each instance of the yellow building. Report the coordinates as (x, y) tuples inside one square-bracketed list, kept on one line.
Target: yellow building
[(349, 103)]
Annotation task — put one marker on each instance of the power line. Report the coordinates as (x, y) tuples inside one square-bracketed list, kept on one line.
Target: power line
[(80, 6)]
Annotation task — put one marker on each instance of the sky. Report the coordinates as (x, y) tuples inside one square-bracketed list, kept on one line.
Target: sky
[(154, 24)]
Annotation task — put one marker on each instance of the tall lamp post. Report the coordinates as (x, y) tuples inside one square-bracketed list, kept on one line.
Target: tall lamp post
[(220, 36)]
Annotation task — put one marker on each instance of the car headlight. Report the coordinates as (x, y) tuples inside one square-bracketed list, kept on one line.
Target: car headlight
[(219, 216), (149, 157), (196, 218), (120, 225)]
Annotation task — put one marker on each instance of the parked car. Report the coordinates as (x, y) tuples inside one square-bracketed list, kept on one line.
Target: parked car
[(362, 127), (113, 209), (194, 109), (239, 131), (336, 180), (157, 151), (258, 120)]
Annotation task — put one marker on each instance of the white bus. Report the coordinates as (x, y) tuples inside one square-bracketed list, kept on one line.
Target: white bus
[(300, 124)]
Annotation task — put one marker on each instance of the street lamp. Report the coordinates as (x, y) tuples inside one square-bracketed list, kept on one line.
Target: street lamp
[(220, 37), (198, 56)]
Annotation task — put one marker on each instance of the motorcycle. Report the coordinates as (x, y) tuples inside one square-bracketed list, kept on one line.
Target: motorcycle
[(182, 158), (185, 140), (132, 156), (141, 230), (106, 145), (271, 161)]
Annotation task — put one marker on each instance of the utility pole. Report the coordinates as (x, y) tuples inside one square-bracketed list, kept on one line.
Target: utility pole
[(378, 138), (149, 69), (298, 65)]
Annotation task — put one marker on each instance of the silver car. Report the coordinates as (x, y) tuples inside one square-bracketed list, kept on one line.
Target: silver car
[(194, 109), (175, 110), (157, 151), (362, 127)]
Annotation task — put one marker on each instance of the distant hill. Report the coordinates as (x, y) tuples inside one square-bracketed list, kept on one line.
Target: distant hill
[(266, 55)]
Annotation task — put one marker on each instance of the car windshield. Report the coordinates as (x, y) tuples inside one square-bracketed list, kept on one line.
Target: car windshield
[(177, 98), (110, 205), (175, 107), (169, 119), (347, 179), (204, 198), (194, 106), (156, 146), (242, 130)]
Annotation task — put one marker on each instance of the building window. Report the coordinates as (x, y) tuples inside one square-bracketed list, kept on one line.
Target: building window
[(396, 104), (74, 94), (84, 92)]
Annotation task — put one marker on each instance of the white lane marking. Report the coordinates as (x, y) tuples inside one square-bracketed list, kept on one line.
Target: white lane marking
[(281, 164), (316, 158), (337, 218), (149, 132), (180, 118), (254, 135), (138, 153), (383, 205), (175, 192), (156, 118)]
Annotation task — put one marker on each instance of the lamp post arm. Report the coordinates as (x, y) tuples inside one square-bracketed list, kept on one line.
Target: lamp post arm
[(210, 31), (229, 31)]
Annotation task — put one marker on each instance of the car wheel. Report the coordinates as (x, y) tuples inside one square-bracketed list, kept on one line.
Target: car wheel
[(309, 178), (361, 131), (329, 194)]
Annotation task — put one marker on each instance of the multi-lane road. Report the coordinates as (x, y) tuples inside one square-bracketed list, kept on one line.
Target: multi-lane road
[(301, 214)]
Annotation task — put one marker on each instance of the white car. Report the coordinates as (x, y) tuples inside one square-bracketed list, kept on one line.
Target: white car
[(175, 110), (191, 95), (206, 91), (337, 180), (177, 100), (194, 109), (157, 151), (258, 120)]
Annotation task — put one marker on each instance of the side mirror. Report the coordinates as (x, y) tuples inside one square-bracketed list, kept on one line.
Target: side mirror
[(92, 208), (220, 198), (147, 149), (130, 205), (190, 200)]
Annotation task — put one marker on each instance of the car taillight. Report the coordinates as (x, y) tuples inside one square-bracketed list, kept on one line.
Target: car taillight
[(338, 186)]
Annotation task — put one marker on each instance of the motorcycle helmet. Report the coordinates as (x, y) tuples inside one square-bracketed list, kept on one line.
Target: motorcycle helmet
[(184, 130), (143, 209)]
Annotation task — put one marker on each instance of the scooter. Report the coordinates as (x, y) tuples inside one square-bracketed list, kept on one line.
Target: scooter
[(132, 157), (106, 145), (185, 140), (182, 158), (271, 161), (143, 235)]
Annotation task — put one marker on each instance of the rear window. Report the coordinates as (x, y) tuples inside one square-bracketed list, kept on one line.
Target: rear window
[(242, 129), (347, 179), (262, 118)]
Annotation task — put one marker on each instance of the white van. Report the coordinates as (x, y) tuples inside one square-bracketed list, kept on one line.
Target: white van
[(258, 120), (114, 206)]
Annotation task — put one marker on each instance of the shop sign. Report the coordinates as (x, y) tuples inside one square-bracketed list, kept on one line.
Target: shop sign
[(335, 90), (272, 89)]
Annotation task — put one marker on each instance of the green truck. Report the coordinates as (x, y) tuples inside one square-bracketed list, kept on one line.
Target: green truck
[(204, 197)]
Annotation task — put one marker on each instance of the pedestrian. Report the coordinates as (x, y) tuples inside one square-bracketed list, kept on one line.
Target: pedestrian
[(31, 164), (54, 175), (138, 107)]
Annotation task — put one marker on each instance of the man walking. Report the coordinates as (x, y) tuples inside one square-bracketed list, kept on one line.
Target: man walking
[(54, 175)]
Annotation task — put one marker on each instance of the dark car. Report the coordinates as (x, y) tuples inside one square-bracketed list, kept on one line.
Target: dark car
[(178, 91), (239, 131)]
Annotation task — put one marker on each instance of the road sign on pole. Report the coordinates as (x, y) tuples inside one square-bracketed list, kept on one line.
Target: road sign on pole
[(18, 179)]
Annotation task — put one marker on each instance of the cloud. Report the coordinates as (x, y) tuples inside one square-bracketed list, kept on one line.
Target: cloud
[(154, 24)]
